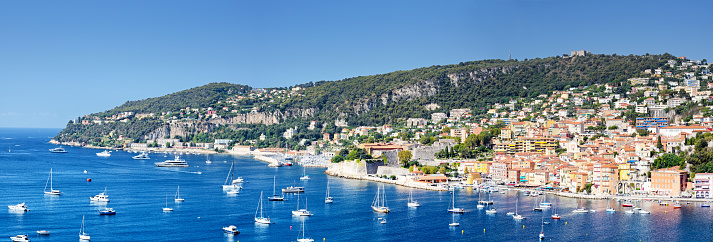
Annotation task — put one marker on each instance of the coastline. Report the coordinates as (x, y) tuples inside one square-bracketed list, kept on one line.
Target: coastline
[(400, 182)]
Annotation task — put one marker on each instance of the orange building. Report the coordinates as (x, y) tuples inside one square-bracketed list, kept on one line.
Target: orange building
[(668, 181)]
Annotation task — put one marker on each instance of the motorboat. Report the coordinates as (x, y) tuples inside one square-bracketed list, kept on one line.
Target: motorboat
[(101, 197), (52, 191), (238, 180), (509, 213), (293, 189), (19, 207), (705, 205), (142, 156), (379, 203), (491, 211), (58, 150), (644, 212), (677, 205), (107, 211), (580, 210), (383, 221), (20, 237), (629, 211), (610, 210), (43, 232), (518, 217), (231, 229), (556, 216), (261, 219), (82, 233), (104, 154), (176, 162), (627, 204)]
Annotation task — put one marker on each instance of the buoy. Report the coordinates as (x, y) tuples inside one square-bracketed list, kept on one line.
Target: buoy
[(324, 239), (483, 230), (523, 226), (89, 179), (461, 232), (565, 223), (290, 227)]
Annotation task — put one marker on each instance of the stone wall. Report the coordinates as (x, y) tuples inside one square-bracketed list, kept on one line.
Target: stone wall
[(388, 171)]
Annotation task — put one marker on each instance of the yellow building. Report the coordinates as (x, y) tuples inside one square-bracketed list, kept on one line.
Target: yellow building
[(535, 144), (624, 169)]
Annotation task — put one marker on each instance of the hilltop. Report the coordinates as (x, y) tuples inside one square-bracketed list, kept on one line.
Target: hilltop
[(242, 113)]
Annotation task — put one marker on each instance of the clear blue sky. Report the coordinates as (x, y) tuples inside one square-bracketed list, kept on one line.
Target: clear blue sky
[(63, 59)]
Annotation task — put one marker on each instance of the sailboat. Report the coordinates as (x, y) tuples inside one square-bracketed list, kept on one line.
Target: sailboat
[(453, 222), (492, 209), (303, 237), (542, 227), (327, 198), (516, 215), (82, 233), (178, 196), (554, 211), (207, 159), (480, 202), (453, 208), (304, 174), (167, 209), (301, 212), (275, 196), (51, 191), (261, 219), (412, 203), (228, 184), (379, 203)]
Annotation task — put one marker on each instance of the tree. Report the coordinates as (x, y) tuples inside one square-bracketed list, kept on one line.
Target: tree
[(701, 144), (404, 157), (168, 144), (442, 170), (337, 159), (658, 143)]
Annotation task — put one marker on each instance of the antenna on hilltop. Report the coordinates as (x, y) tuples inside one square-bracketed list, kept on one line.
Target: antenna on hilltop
[(509, 55)]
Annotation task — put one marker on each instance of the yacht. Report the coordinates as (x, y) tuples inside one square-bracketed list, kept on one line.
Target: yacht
[(275, 196), (21, 237), (293, 189), (261, 219), (412, 203), (176, 162), (82, 234), (379, 204), (231, 229), (101, 197), (301, 212), (142, 156), (19, 207), (104, 153), (49, 182), (58, 150), (107, 211)]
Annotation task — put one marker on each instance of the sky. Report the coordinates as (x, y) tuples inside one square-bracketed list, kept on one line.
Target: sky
[(60, 60)]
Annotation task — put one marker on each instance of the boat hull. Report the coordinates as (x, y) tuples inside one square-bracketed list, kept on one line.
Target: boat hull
[(380, 209)]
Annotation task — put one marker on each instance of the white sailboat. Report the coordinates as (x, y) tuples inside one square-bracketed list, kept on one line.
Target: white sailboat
[(491, 210), (275, 196), (453, 208), (304, 174), (166, 208), (261, 219), (379, 203), (178, 196), (207, 159), (516, 215), (301, 212), (228, 184), (555, 215), (51, 191), (82, 233), (327, 198), (542, 227), (453, 222), (480, 202), (303, 237), (412, 203)]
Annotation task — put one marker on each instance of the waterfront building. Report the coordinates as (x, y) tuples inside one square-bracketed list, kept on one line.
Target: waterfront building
[(668, 181), (702, 183)]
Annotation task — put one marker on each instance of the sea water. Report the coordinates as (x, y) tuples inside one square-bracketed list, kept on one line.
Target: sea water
[(138, 191)]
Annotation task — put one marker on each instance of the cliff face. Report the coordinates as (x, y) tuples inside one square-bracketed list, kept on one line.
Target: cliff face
[(180, 128)]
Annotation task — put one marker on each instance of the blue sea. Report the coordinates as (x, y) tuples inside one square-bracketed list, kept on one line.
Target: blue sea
[(138, 192)]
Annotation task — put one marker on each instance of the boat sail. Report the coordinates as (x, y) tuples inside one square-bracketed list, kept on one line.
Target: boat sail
[(327, 198), (82, 233), (178, 196), (228, 184), (379, 204), (275, 196), (261, 219), (51, 191)]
